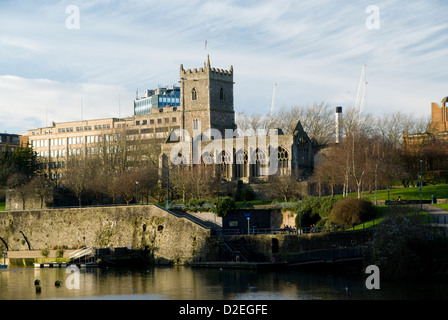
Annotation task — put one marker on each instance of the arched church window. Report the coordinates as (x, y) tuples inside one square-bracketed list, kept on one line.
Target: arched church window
[(225, 166), (194, 94), (221, 94), (283, 160), (259, 167), (241, 160)]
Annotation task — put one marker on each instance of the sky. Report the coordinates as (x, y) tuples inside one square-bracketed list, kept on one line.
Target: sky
[(72, 60)]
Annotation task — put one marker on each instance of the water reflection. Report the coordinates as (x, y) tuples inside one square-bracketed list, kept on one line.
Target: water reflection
[(183, 283)]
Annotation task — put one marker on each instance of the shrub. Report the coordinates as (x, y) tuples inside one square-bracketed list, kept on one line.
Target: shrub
[(313, 209), (45, 252), (247, 194), (224, 206), (60, 253), (352, 211), (196, 202)]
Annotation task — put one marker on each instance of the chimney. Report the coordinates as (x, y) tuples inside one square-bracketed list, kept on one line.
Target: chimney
[(338, 124)]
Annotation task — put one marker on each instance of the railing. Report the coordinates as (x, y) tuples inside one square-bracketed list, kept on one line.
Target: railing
[(439, 219), (186, 216), (305, 230), (81, 253), (236, 251)]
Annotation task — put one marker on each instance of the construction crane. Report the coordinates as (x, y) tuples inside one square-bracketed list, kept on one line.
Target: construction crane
[(273, 101), (361, 93)]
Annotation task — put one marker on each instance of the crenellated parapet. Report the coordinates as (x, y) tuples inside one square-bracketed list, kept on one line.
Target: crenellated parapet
[(213, 73)]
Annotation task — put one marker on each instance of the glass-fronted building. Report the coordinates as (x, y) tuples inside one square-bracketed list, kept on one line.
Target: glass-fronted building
[(158, 98)]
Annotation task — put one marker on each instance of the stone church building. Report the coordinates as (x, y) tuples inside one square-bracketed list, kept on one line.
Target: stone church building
[(195, 127), (208, 134)]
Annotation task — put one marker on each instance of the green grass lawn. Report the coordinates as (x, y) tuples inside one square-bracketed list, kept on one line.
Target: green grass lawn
[(444, 206), (412, 193)]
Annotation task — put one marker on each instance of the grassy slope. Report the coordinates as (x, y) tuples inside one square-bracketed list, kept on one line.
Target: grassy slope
[(440, 191)]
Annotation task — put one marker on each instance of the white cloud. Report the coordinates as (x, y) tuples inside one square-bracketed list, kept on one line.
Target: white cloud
[(313, 50), (31, 103)]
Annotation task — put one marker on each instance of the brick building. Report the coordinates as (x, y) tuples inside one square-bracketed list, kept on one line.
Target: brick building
[(438, 129)]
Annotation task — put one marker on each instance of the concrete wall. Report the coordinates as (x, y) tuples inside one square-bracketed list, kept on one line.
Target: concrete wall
[(171, 239)]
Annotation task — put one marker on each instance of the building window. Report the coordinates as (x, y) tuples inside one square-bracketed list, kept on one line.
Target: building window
[(159, 120), (221, 94), (195, 124), (173, 119), (226, 168), (167, 120), (194, 94), (151, 121), (283, 160)]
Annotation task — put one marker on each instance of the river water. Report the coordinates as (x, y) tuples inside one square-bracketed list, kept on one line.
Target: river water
[(185, 283)]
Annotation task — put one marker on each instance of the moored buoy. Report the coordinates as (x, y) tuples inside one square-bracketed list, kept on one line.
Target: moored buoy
[(57, 283), (36, 282)]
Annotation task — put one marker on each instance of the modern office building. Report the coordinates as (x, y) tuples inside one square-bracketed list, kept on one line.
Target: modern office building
[(54, 145), (158, 98)]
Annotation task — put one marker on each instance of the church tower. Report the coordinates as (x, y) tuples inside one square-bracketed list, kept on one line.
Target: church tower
[(207, 99)]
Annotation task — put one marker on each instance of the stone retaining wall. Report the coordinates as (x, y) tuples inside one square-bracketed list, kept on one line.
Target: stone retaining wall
[(171, 239)]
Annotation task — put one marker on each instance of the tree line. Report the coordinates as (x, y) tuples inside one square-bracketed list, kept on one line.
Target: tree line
[(125, 167), (122, 167), (370, 154)]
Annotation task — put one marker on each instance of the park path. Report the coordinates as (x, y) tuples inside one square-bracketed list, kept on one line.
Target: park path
[(439, 214)]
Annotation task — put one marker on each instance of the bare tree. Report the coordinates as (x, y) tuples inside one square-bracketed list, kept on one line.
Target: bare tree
[(287, 118), (317, 120), (359, 160), (182, 180), (41, 186), (242, 123), (286, 186), (127, 185), (147, 177), (21, 184), (326, 173), (76, 176), (391, 127)]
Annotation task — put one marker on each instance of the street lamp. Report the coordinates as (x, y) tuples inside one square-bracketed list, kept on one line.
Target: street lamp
[(136, 191), (420, 186), (167, 187), (10, 204)]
